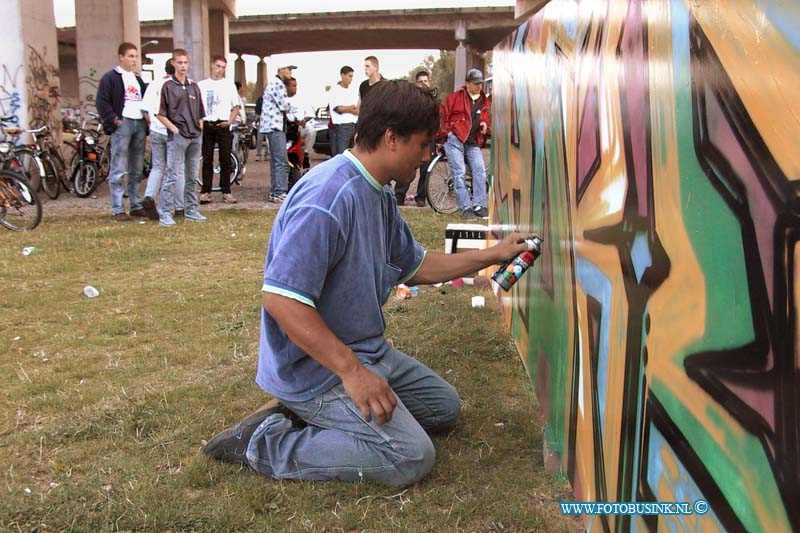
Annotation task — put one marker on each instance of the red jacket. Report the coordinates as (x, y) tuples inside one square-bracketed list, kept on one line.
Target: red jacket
[(457, 116)]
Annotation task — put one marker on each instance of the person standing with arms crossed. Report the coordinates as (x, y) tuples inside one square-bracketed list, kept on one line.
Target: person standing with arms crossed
[(343, 104), (119, 103), (182, 113)]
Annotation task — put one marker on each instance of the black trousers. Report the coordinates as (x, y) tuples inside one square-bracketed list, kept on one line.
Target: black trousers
[(214, 135), (422, 184)]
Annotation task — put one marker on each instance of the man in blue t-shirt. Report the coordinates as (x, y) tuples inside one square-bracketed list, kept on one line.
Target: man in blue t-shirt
[(349, 406)]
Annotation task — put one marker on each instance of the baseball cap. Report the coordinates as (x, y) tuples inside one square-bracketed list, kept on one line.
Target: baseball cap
[(474, 75), (289, 66)]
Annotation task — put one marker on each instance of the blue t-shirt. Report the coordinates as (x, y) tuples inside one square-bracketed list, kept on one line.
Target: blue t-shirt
[(338, 244)]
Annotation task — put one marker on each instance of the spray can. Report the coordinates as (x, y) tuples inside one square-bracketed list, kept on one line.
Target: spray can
[(510, 271)]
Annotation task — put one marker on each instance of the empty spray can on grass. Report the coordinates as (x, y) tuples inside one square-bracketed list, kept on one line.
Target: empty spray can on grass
[(510, 271)]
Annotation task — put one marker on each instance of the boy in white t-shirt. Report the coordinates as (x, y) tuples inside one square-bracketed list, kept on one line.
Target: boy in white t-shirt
[(221, 102), (344, 111)]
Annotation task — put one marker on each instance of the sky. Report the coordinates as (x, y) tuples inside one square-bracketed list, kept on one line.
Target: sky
[(317, 69)]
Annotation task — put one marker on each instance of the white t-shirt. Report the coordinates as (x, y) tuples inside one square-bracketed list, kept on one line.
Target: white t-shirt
[(219, 97), (152, 103), (133, 95), (339, 96)]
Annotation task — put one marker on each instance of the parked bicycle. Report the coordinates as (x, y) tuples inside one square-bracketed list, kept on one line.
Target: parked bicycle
[(90, 163), (47, 159), (20, 208)]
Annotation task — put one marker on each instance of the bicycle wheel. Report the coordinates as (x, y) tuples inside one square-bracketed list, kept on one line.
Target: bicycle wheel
[(31, 166), (441, 190), (235, 169), (242, 152), (51, 183), (20, 208), (84, 178)]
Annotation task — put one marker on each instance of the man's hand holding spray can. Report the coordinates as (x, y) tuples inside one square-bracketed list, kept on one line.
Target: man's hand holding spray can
[(510, 271)]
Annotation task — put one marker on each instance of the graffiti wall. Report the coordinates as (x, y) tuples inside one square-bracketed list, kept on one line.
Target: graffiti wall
[(652, 144)]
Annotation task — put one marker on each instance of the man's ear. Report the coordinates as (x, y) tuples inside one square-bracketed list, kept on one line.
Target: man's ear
[(391, 139)]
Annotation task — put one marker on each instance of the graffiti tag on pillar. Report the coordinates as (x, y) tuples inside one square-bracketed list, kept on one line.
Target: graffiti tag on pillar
[(88, 85), (44, 91), (10, 97)]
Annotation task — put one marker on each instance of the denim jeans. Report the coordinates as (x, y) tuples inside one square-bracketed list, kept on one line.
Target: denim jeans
[(457, 152), (183, 162), (278, 162), (127, 157), (158, 168), (338, 444), (343, 134)]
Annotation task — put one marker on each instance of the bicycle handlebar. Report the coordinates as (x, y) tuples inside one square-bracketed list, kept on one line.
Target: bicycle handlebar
[(37, 130)]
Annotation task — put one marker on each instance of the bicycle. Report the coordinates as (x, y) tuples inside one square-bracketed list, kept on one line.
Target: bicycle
[(441, 191), (20, 208), (51, 165)]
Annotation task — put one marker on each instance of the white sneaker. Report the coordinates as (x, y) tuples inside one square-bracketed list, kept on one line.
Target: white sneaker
[(194, 214)]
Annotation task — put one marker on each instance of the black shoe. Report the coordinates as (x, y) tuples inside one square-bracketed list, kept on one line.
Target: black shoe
[(468, 214), (150, 207), (231, 445), (401, 199), (179, 212), (481, 212)]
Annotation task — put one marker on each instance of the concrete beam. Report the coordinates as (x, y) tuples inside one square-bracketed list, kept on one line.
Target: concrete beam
[(261, 77), (526, 8), (101, 25), (30, 88)]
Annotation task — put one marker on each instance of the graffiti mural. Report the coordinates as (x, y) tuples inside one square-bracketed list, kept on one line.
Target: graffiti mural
[(651, 144), (87, 85), (44, 93)]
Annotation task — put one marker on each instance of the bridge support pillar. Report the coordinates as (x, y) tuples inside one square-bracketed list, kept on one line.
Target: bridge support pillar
[(29, 86), (190, 32), (219, 35), (100, 27), (239, 72), (261, 77)]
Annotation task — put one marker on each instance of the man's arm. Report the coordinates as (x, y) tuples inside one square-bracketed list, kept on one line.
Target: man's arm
[(439, 267), (168, 124), (304, 326), (103, 101)]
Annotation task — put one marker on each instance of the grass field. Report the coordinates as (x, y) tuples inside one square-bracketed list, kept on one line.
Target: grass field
[(105, 403)]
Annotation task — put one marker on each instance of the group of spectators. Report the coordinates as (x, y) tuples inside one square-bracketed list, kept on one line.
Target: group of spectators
[(187, 120), (464, 119)]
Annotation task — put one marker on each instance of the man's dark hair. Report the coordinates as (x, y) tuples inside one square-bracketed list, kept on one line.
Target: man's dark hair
[(373, 59), (421, 73), (124, 47), (398, 106), (238, 85), (345, 70), (169, 68), (219, 58), (179, 52)]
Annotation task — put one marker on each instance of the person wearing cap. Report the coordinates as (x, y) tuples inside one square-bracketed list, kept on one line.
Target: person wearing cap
[(465, 120), (273, 111)]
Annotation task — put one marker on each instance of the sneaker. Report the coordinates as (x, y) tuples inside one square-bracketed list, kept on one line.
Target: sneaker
[(401, 199), (231, 445), (166, 220), (121, 217), (149, 205), (481, 212), (178, 213), (194, 214), (421, 202), (468, 214), (229, 198), (141, 212), (205, 198), (277, 198)]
